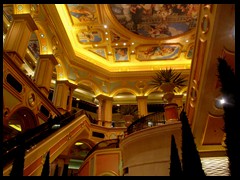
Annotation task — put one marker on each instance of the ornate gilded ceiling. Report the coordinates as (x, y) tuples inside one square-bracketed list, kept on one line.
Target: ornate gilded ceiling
[(132, 37), (112, 48), (157, 20)]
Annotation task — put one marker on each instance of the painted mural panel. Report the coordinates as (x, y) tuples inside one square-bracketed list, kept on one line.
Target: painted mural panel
[(189, 53), (157, 20), (83, 13), (93, 36), (158, 52), (99, 51), (121, 54), (115, 37), (8, 11), (33, 46)]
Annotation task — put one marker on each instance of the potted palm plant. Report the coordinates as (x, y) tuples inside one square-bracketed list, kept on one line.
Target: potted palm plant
[(129, 113), (169, 81)]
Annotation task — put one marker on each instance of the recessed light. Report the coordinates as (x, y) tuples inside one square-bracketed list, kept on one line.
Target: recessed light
[(78, 143)]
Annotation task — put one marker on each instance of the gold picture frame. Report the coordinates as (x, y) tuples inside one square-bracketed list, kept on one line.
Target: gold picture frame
[(81, 14), (205, 24), (189, 52), (121, 54), (164, 51), (209, 7)]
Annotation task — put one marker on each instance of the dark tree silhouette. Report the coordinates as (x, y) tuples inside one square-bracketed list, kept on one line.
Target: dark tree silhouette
[(65, 170), (18, 162), (46, 166), (229, 89), (191, 162), (56, 170), (175, 163)]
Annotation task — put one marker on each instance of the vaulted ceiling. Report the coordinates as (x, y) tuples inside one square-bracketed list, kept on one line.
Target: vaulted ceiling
[(131, 37), (154, 36), (125, 44), (114, 49)]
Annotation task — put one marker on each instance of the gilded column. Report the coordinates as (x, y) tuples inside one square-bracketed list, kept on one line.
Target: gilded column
[(99, 111), (72, 87), (105, 110), (18, 36), (142, 105), (60, 96), (44, 71), (108, 112)]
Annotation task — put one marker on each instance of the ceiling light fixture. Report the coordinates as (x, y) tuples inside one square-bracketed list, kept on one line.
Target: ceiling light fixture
[(78, 143)]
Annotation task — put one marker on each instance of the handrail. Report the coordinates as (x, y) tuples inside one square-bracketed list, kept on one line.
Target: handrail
[(33, 136), (29, 82), (149, 120), (110, 143), (154, 118)]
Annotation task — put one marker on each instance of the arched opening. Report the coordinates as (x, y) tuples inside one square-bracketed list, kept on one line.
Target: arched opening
[(20, 121), (77, 154)]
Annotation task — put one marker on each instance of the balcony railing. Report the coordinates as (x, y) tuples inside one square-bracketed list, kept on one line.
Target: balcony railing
[(150, 120), (35, 135)]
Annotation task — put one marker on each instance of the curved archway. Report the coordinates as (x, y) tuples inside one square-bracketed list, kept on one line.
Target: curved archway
[(77, 153), (21, 120), (108, 173), (123, 90), (95, 88)]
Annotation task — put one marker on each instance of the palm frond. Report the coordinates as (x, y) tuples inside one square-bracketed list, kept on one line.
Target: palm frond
[(168, 76)]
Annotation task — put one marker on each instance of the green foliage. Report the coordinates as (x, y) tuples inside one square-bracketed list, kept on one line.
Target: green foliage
[(168, 76), (56, 170), (18, 162), (230, 90), (175, 163), (46, 166), (191, 162), (128, 109)]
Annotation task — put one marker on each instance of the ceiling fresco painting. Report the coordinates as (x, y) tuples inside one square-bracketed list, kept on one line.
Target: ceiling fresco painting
[(121, 54), (83, 13), (99, 51), (150, 52), (8, 11), (136, 28), (90, 36), (157, 20), (189, 53)]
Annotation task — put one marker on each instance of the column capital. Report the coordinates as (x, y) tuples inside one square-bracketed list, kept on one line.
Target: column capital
[(104, 97), (50, 57), (141, 97), (66, 82), (28, 18)]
